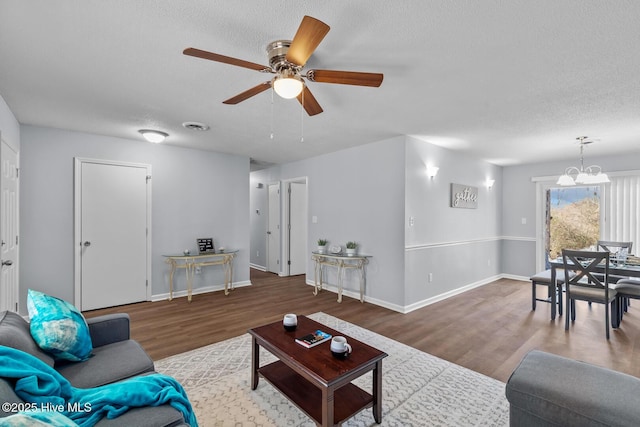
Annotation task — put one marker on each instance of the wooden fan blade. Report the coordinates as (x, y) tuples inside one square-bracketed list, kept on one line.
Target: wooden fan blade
[(225, 59), (248, 93), (310, 104), (309, 35), (345, 77)]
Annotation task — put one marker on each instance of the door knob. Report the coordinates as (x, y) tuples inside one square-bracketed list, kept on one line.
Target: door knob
[(87, 243), (268, 232), (7, 262)]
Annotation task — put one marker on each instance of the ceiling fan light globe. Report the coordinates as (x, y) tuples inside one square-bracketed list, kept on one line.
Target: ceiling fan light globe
[(288, 87)]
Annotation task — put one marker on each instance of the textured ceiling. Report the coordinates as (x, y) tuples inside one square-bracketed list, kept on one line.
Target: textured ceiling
[(510, 82)]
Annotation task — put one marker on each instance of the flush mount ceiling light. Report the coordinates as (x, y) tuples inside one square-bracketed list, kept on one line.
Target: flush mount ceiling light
[(154, 136), (590, 175)]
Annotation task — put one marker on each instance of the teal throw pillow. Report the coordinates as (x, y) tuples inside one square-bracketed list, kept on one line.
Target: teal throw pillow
[(58, 327)]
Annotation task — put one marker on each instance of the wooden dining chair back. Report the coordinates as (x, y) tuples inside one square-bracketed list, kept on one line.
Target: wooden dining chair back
[(586, 285)]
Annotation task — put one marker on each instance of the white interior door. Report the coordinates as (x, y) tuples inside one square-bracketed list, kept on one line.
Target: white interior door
[(273, 229), (298, 253), (9, 229), (113, 237)]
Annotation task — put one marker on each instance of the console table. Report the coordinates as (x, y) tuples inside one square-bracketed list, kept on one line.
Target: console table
[(191, 262), (341, 262)]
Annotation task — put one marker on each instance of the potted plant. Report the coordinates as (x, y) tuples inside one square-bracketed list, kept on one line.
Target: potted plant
[(351, 248), (322, 245)]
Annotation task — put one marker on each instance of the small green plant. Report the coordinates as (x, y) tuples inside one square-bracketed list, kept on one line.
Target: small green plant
[(322, 242), (351, 245)]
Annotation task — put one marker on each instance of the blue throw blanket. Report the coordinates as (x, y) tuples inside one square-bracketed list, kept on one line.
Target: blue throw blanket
[(40, 384)]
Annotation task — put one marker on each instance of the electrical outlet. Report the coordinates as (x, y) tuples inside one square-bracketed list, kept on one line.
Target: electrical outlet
[(489, 262), (257, 253), (430, 277), (412, 221), (198, 270)]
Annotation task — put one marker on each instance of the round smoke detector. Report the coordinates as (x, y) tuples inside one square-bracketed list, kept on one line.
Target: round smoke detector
[(195, 126)]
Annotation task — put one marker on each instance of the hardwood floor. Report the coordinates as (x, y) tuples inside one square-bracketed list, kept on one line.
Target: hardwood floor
[(488, 329)]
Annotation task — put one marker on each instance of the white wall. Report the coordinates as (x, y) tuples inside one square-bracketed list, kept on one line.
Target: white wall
[(194, 194), (9, 126)]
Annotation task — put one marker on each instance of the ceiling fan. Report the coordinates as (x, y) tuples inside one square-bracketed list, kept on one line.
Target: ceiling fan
[(286, 60)]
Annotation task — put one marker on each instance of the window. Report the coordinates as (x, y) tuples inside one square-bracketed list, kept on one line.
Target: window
[(619, 210)]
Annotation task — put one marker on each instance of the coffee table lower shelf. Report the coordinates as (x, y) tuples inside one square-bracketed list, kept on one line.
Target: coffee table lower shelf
[(348, 399)]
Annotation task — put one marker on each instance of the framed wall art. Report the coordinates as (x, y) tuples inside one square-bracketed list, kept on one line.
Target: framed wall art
[(464, 196)]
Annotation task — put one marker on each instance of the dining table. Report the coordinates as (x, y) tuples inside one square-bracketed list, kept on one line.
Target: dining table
[(615, 268)]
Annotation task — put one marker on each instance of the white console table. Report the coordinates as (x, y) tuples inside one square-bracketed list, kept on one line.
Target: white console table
[(341, 262), (191, 262)]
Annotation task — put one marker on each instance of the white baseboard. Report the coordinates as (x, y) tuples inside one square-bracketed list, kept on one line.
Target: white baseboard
[(356, 295), (443, 296), (203, 290), (423, 303), (258, 267), (514, 277)]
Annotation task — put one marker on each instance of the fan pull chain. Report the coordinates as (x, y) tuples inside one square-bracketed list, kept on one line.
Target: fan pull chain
[(302, 117), (271, 135)]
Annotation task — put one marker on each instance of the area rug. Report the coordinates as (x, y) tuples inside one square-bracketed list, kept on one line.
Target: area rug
[(418, 389)]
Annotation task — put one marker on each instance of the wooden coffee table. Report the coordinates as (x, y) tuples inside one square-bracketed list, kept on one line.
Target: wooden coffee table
[(315, 381)]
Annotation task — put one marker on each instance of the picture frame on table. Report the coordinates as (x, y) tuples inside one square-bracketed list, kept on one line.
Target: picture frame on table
[(205, 245)]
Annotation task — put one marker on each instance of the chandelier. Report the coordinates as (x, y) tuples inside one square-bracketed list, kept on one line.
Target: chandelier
[(584, 175)]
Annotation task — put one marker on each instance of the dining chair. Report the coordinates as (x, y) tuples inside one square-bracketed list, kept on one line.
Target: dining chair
[(626, 289), (586, 286), (613, 248), (554, 291)]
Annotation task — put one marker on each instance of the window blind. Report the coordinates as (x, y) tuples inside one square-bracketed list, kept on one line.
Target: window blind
[(622, 210)]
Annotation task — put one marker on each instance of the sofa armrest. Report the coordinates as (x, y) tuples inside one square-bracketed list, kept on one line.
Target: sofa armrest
[(546, 389), (109, 328)]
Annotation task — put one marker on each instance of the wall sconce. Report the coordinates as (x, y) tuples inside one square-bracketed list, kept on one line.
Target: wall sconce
[(489, 183), (432, 171)]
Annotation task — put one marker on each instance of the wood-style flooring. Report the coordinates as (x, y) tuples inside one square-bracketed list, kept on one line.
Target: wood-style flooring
[(488, 329)]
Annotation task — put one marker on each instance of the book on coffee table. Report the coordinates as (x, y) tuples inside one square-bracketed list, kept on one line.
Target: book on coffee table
[(311, 340)]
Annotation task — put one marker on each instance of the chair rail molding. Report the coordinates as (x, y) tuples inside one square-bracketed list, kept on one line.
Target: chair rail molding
[(465, 242)]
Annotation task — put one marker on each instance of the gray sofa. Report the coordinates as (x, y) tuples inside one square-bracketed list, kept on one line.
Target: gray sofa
[(549, 390), (115, 357)]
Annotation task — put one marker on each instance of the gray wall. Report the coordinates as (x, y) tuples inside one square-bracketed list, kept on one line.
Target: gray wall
[(357, 194), (259, 217), (369, 192), (194, 194), (459, 247)]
